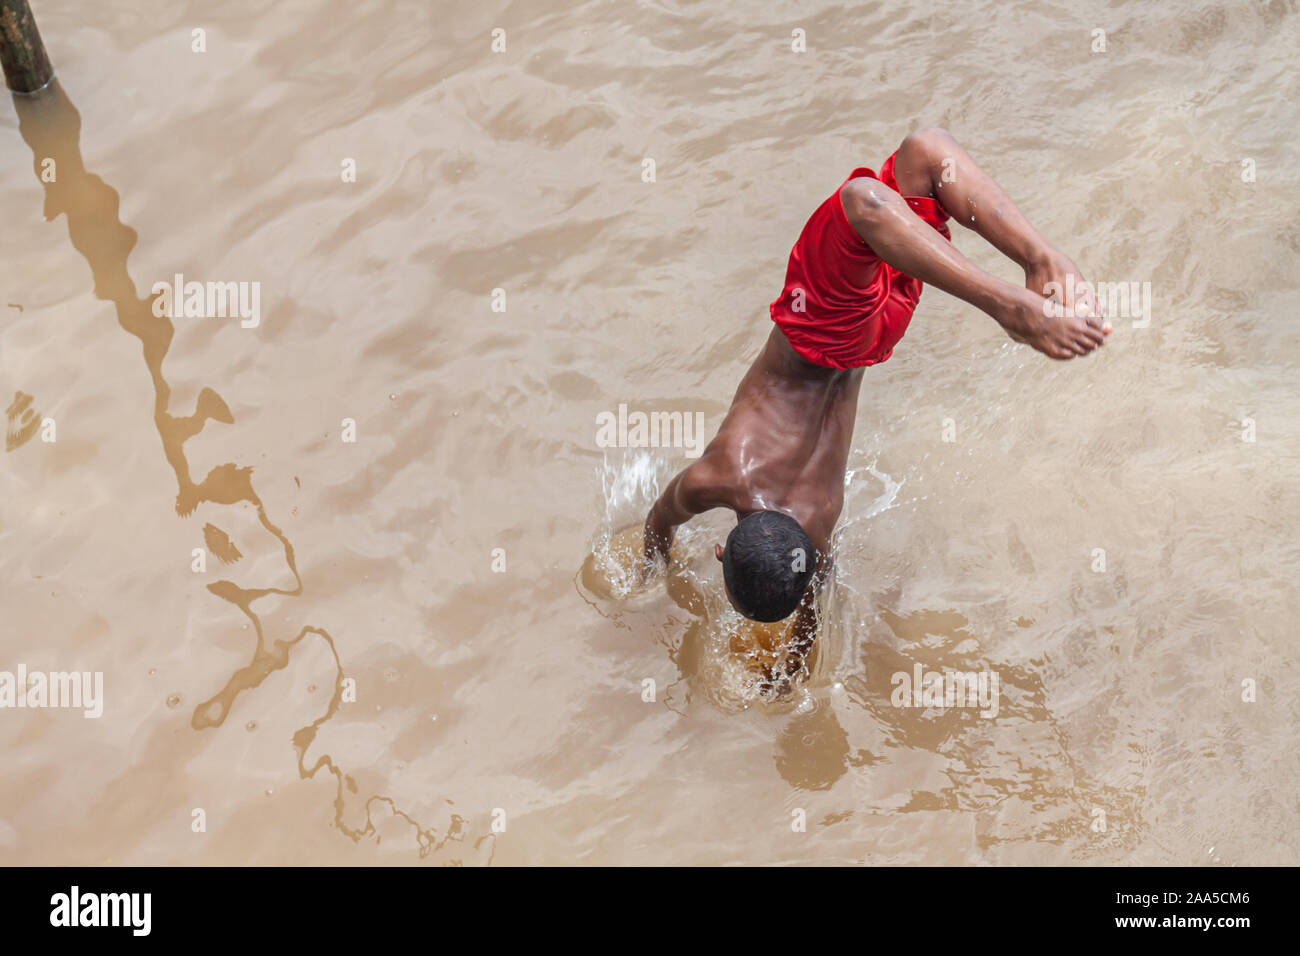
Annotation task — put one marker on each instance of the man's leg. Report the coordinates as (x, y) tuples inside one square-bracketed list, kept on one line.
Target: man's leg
[(930, 162), (907, 242)]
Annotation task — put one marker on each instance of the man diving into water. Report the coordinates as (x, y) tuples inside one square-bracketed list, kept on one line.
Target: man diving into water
[(853, 280)]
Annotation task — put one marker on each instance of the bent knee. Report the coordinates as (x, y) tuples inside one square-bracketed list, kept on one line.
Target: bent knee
[(865, 200), (930, 144), (919, 158), (928, 137)]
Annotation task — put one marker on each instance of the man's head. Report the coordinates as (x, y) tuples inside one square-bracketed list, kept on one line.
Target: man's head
[(767, 564)]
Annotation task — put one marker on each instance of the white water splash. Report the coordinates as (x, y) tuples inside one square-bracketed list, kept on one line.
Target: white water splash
[(629, 486), (882, 502)]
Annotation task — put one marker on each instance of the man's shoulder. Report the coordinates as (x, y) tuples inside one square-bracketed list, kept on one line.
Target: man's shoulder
[(710, 480)]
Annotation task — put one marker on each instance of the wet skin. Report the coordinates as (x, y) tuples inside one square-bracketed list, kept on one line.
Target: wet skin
[(783, 446)]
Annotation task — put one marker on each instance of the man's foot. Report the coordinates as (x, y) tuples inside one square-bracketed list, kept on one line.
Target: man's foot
[(1046, 325), (1056, 277), (1057, 314)]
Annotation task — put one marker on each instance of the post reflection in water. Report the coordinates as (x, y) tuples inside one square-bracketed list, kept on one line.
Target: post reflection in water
[(51, 126)]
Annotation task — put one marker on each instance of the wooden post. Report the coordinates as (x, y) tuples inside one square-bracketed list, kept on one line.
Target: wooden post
[(22, 54)]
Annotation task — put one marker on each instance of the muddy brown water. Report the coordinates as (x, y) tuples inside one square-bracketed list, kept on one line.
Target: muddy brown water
[(416, 646)]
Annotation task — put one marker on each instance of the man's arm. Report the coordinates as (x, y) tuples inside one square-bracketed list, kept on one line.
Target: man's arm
[(690, 493)]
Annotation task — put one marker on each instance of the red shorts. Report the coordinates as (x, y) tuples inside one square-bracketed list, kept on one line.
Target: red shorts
[(843, 306)]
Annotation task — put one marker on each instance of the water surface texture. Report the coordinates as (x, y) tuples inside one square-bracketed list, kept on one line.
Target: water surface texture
[(422, 646)]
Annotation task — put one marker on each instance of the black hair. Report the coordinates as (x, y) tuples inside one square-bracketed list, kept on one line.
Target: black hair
[(767, 564)]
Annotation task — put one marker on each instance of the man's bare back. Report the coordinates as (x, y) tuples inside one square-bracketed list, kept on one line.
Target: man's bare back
[(783, 446)]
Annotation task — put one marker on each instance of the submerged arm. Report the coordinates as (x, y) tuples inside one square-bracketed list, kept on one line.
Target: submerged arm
[(803, 624)]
